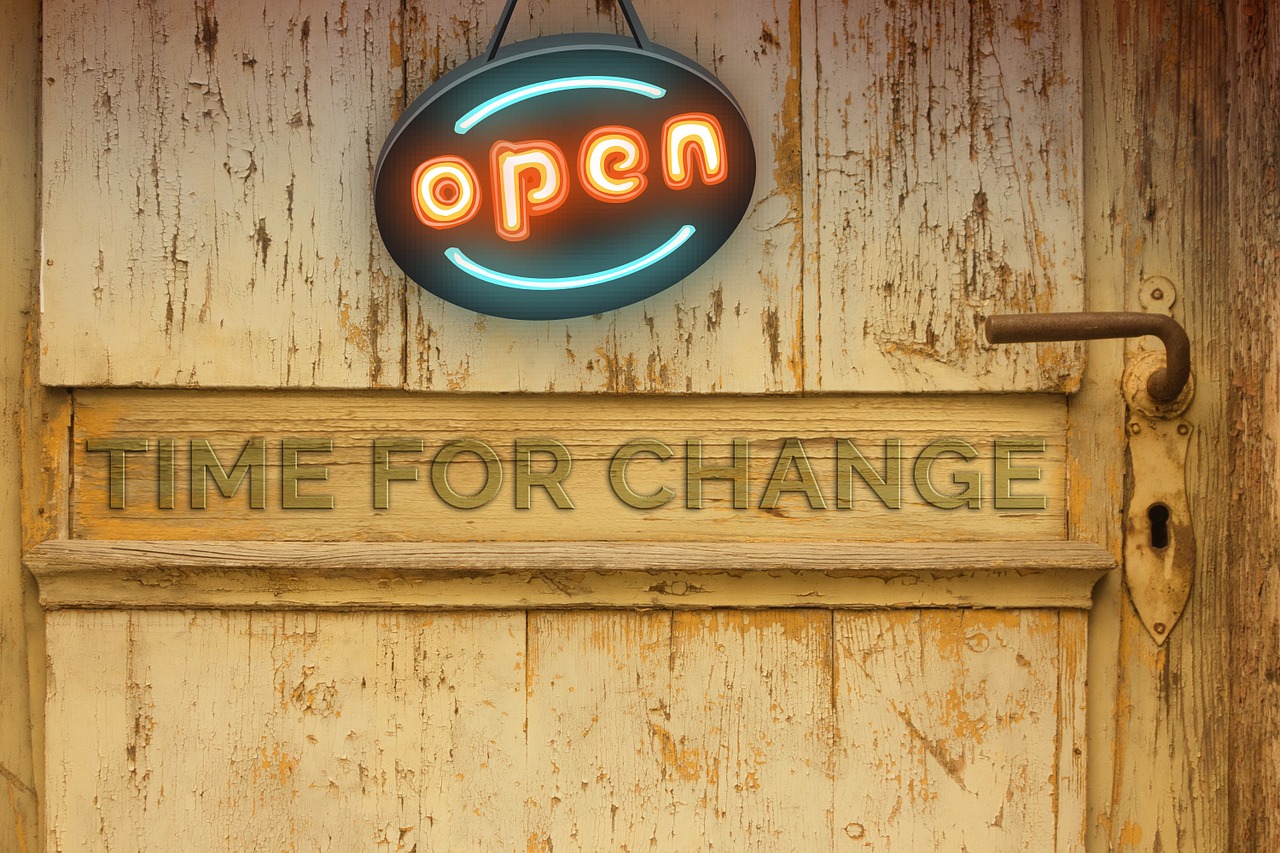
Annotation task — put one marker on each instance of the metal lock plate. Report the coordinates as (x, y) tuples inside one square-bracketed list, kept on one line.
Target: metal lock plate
[(1159, 541), (1160, 546)]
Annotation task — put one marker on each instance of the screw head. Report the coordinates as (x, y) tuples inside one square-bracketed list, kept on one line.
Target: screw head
[(1183, 429), (1157, 293), (1134, 429), (1159, 627)]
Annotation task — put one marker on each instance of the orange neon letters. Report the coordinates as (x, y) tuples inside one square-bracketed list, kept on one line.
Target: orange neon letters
[(446, 192), (612, 162), (529, 179), (689, 140), (532, 178)]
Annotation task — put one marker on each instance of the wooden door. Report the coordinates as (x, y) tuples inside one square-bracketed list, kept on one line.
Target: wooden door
[(786, 655)]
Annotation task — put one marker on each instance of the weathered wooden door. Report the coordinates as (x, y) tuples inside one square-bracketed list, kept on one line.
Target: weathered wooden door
[(849, 607)]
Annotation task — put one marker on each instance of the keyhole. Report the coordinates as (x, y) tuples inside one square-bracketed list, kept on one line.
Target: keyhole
[(1158, 515)]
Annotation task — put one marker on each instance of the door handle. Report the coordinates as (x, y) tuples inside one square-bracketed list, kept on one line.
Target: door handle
[(1159, 540), (1164, 384)]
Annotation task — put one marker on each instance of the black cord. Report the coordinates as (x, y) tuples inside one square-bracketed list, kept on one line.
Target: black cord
[(638, 34)]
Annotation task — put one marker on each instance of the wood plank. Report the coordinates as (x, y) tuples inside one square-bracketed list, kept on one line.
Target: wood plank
[(624, 730), (228, 151), (283, 264), (470, 765), (278, 258), (1253, 596), (315, 731), (277, 575), (751, 729), (602, 759), (592, 429), (931, 708), (654, 729), (21, 633), (1156, 131), (1071, 743), (734, 325), (478, 557), (1097, 418), (948, 186), (87, 704), (180, 692)]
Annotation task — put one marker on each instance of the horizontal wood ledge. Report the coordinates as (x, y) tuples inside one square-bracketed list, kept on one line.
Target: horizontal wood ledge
[(519, 575)]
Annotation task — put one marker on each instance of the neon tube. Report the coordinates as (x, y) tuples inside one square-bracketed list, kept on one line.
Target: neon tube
[(519, 282), (561, 84)]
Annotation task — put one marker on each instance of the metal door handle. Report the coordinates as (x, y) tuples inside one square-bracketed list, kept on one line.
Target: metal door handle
[(1164, 384), (1159, 542)]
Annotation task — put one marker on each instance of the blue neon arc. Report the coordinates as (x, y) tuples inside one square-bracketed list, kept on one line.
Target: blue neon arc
[(561, 84), (519, 282)]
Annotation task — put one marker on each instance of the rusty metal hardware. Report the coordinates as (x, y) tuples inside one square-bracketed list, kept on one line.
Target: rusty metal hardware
[(1165, 384), (1159, 540)]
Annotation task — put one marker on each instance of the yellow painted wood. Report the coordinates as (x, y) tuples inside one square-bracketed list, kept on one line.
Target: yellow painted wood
[(87, 704), (951, 728), (230, 150), (689, 575), (1071, 744), (44, 424), (598, 686), (1168, 194), (593, 429), (946, 186), (751, 723), (286, 731), (1160, 755), (228, 153), (21, 634), (749, 730)]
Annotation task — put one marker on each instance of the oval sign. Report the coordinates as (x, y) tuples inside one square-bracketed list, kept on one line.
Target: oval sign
[(568, 176)]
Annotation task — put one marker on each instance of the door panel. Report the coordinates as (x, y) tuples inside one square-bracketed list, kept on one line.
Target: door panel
[(918, 168), (953, 726), (749, 730), (208, 218), (948, 186), (297, 731), (710, 673)]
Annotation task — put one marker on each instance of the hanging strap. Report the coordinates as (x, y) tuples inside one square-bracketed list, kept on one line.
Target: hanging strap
[(628, 13)]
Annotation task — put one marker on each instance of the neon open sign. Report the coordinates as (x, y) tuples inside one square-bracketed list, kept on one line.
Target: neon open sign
[(564, 176)]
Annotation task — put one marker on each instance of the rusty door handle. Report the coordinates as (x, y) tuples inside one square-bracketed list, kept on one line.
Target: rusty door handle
[(1159, 540), (1164, 384)]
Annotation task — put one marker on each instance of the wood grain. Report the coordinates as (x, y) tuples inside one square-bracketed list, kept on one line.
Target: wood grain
[(21, 637), (416, 739), (930, 706), (1071, 799), (946, 186), (229, 152), (613, 731), (1156, 119), (691, 575), (1253, 412), (593, 429), (598, 687), (917, 116), (751, 720)]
